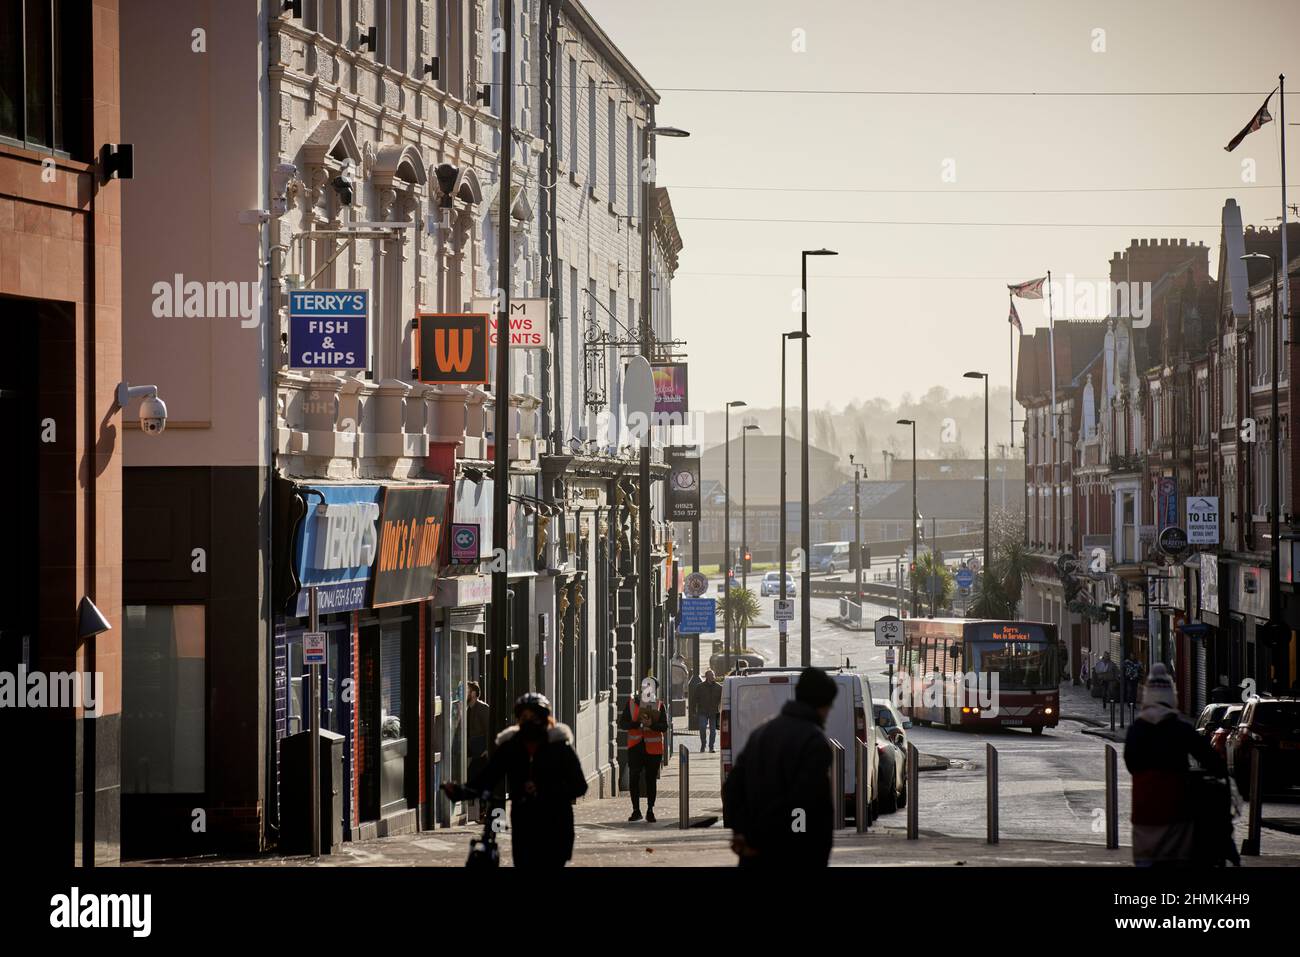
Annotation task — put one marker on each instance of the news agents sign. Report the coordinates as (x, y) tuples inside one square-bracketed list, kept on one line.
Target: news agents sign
[(327, 328), (528, 325), (1203, 520)]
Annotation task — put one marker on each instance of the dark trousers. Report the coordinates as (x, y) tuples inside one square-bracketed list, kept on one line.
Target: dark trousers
[(638, 761), (708, 725)]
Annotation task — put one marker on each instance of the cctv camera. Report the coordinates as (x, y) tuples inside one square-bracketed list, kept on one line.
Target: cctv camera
[(153, 415)]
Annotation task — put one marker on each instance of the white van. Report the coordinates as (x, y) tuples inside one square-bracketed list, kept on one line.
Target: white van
[(756, 696)]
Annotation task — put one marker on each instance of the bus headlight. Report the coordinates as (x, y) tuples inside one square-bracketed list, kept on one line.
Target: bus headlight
[(1047, 711)]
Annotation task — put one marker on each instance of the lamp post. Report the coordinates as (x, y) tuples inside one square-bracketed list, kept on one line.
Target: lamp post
[(987, 552), (805, 584), (785, 337), (858, 470), (645, 637), (915, 557), (726, 531), (744, 522), (1274, 482)]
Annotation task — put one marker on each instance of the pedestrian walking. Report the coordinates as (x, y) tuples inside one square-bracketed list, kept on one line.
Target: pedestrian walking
[(708, 697), (692, 707), (1132, 678), (645, 721), (544, 777), (777, 799), (1104, 675), (478, 725), (1178, 817), (1084, 677), (1063, 653)]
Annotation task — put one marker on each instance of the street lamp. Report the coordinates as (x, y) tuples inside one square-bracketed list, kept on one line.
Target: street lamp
[(985, 377), (744, 522), (805, 604), (785, 337), (1274, 492), (858, 470), (915, 557), (726, 530), (645, 637)]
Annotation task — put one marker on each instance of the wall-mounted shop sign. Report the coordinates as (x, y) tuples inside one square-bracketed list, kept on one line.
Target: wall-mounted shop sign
[(337, 546), (451, 348), (410, 532), (464, 543), (327, 328), (683, 485), (528, 322), (670, 387)]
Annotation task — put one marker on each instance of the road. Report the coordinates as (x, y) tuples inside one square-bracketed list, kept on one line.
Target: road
[(1051, 787)]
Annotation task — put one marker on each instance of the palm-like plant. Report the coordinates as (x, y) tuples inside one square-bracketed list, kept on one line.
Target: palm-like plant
[(926, 566), (997, 590), (739, 607)]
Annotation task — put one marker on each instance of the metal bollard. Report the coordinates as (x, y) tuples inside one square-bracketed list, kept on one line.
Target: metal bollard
[(1251, 844), (1112, 715), (913, 795), (1112, 798), (861, 805), (684, 789), (837, 781), (991, 792)]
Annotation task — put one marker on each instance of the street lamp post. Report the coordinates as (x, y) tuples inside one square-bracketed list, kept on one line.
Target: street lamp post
[(744, 521), (645, 636), (858, 469), (726, 530), (805, 584), (785, 337), (987, 552), (915, 557)]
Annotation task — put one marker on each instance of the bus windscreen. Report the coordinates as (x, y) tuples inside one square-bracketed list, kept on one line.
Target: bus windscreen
[(1022, 655)]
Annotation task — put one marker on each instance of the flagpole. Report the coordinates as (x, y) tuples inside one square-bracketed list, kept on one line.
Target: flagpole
[(1286, 263), (1051, 347), (1011, 374)]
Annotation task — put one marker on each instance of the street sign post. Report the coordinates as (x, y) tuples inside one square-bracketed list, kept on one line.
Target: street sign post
[(699, 616), (697, 583), (965, 577), (783, 609), (313, 647), (889, 631)]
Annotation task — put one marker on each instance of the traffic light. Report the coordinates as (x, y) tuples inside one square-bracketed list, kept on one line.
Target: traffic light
[(866, 556), (749, 562)]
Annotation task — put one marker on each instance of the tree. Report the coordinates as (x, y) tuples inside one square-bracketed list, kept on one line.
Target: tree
[(996, 593), (926, 566), (740, 607)]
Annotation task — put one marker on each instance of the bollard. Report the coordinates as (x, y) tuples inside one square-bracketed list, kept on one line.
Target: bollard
[(1112, 715), (913, 797), (684, 789), (1112, 798), (837, 781), (1251, 844), (991, 792), (861, 806)]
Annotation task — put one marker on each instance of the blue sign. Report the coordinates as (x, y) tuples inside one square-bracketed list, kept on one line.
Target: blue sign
[(337, 544), (327, 328), (964, 577), (699, 616)]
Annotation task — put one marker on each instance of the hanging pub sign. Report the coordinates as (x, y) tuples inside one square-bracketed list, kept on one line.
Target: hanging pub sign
[(451, 348), (528, 322), (670, 387), (683, 485), (327, 328), (411, 523)]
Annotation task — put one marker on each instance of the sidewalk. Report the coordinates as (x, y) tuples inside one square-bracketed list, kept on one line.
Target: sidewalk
[(1078, 704), (605, 838)]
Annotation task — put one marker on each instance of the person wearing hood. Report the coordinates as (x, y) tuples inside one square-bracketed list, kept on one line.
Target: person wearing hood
[(543, 776), (1156, 750), (645, 721), (777, 799)]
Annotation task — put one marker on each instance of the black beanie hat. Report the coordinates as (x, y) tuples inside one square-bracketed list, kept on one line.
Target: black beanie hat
[(815, 688)]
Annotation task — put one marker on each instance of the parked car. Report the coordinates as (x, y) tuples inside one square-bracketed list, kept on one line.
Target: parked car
[(771, 585), (1271, 726), (893, 770), (757, 696), (1211, 719), (740, 658), (1219, 738)]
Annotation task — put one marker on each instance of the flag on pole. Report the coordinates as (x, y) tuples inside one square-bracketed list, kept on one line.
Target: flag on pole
[(1014, 319), (1259, 119), (1032, 289)]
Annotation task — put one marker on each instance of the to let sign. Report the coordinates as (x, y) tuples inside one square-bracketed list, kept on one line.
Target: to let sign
[(327, 328), (1203, 520)]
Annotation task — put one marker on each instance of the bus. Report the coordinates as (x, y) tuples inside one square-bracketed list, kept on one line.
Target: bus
[(976, 673)]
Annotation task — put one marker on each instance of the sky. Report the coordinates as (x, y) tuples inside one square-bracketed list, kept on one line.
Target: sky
[(906, 307)]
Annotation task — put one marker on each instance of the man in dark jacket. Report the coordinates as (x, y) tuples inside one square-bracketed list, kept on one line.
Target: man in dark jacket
[(478, 726), (645, 721), (777, 799), (708, 704), (544, 778)]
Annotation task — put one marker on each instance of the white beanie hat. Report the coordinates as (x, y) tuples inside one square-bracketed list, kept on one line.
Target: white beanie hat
[(1159, 688)]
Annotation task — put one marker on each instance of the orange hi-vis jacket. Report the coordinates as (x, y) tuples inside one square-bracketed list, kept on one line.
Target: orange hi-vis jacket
[(654, 740)]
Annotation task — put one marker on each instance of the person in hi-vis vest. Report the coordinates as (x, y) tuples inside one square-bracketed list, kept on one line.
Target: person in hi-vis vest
[(645, 720)]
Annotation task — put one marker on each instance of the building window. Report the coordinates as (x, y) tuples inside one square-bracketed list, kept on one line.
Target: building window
[(164, 696), (43, 45), (573, 115), (390, 16), (591, 132), (611, 136), (633, 180)]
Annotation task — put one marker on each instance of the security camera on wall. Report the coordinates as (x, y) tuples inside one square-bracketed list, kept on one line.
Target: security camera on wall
[(153, 411)]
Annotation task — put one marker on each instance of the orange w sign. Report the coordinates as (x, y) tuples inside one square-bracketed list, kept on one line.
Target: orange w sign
[(452, 348)]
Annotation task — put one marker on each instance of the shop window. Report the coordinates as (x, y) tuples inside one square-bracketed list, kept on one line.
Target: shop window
[(164, 683)]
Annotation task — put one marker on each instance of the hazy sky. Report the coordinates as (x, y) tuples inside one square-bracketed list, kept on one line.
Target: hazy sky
[(904, 307)]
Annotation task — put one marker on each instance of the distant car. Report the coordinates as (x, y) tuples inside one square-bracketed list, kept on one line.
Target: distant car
[(829, 557), (771, 585), (1211, 719), (1219, 738), (1271, 726), (740, 658)]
